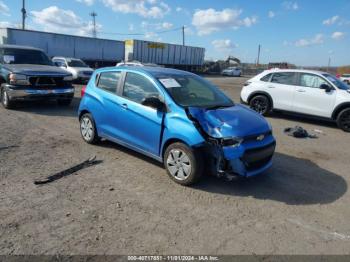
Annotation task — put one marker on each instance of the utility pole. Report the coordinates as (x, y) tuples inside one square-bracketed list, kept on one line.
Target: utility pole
[(94, 33), (329, 64), (183, 35), (258, 60), (24, 14)]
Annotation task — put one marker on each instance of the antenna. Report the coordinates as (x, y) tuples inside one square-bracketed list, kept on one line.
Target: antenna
[(93, 15)]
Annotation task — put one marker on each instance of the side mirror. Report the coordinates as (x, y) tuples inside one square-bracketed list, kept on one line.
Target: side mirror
[(153, 101), (326, 88)]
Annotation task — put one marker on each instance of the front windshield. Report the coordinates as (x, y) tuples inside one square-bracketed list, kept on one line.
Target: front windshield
[(337, 82), (76, 63), (194, 91), (24, 56)]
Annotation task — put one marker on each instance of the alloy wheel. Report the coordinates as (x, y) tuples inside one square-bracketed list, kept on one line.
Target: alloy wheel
[(86, 128), (345, 120), (259, 105)]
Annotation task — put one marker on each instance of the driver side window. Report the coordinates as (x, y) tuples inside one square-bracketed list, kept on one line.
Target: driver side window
[(138, 87), (313, 81)]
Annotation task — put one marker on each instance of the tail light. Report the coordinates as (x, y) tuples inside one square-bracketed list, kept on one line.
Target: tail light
[(82, 92)]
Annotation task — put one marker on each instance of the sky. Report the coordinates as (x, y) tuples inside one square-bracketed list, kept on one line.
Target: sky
[(302, 32)]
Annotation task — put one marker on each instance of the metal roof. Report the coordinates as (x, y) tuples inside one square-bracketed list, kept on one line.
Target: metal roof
[(20, 47)]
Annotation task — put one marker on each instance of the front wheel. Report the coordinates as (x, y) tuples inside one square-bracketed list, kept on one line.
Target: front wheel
[(5, 100), (183, 164), (343, 120), (261, 104)]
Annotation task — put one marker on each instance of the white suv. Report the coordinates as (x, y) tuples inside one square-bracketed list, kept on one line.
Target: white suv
[(302, 91)]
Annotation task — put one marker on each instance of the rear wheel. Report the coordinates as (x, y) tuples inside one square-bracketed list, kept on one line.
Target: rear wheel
[(261, 104), (5, 100), (88, 129), (183, 164), (343, 120)]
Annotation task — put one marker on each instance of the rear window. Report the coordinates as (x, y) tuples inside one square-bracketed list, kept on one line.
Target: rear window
[(109, 81), (284, 78)]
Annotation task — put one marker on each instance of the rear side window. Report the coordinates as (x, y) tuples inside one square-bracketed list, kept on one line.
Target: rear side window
[(284, 78), (138, 87), (109, 81), (313, 81), (266, 78)]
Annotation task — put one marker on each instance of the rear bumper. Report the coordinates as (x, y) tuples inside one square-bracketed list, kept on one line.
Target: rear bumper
[(29, 93)]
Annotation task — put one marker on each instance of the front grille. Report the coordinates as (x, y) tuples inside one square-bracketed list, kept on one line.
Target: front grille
[(47, 82), (258, 157), (254, 138)]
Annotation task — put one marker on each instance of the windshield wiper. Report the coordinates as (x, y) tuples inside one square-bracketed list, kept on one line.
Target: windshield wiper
[(218, 107)]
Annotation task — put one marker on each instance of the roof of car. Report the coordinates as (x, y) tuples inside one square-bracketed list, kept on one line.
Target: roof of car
[(155, 71), (64, 57), (296, 70), (20, 47)]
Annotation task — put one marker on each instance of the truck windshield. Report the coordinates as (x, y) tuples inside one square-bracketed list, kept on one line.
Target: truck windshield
[(24, 56), (337, 82), (76, 63), (194, 91)]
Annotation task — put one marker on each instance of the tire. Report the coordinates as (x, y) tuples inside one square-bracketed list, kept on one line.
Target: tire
[(261, 104), (5, 100), (64, 102), (343, 120), (88, 129), (183, 164)]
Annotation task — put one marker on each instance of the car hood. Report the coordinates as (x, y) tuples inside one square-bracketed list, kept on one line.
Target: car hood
[(235, 121), (35, 70)]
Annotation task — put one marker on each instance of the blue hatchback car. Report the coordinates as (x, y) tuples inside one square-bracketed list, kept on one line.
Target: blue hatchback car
[(177, 118)]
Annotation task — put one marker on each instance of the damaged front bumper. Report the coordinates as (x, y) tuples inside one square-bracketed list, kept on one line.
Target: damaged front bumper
[(248, 159)]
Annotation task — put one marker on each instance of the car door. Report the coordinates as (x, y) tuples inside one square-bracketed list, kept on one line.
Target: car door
[(310, 99), (281, 88), (140, 126)]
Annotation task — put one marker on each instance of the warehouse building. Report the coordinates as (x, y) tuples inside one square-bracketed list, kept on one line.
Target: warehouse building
[(105, 52)]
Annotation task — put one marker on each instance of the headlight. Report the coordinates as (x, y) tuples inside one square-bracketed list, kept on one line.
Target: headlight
[(18, 79), (68, 78), (231, 141)]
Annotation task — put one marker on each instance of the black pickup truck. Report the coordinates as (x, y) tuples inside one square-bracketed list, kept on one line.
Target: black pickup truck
[(26, 73)]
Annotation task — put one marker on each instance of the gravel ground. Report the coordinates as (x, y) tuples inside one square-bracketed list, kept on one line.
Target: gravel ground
[(128, 205)]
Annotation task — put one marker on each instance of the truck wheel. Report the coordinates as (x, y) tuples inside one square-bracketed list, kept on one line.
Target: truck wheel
[(260, 104), (343, 120), (64, 102), (183, 164), (88, 129), (5, 100)]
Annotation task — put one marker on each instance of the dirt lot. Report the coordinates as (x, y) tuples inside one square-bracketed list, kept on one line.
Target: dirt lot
[(128, 205)]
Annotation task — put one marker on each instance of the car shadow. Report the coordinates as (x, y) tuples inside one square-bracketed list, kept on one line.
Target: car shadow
[(49, 108), (291, 180)]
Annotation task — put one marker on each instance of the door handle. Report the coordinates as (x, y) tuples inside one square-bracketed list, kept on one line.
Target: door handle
[(271, 87), (301, 90), (124, 106)]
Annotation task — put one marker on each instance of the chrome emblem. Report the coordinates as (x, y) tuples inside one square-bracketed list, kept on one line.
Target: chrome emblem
[(260, 138)]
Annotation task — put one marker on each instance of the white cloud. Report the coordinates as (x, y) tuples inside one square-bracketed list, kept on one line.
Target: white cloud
[(156, 26), (131, 27), (178, 9), (209, 20), (338, 35), (289, 5), (87, 2), (9, 24), (152, 36), (223, 45), (271, 14), (316, 40), (145, 8), (331, 21), (4, 10), (54, 19)]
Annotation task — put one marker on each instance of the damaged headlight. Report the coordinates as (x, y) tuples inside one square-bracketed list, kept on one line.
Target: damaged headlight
[(231, 141)]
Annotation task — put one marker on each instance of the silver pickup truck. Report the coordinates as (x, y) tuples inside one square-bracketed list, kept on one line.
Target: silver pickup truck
[(26, 73)]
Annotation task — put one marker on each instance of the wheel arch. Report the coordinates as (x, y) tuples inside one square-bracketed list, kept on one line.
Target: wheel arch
[(339, 108), (169, 142), (256, 93), (83, 112)]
